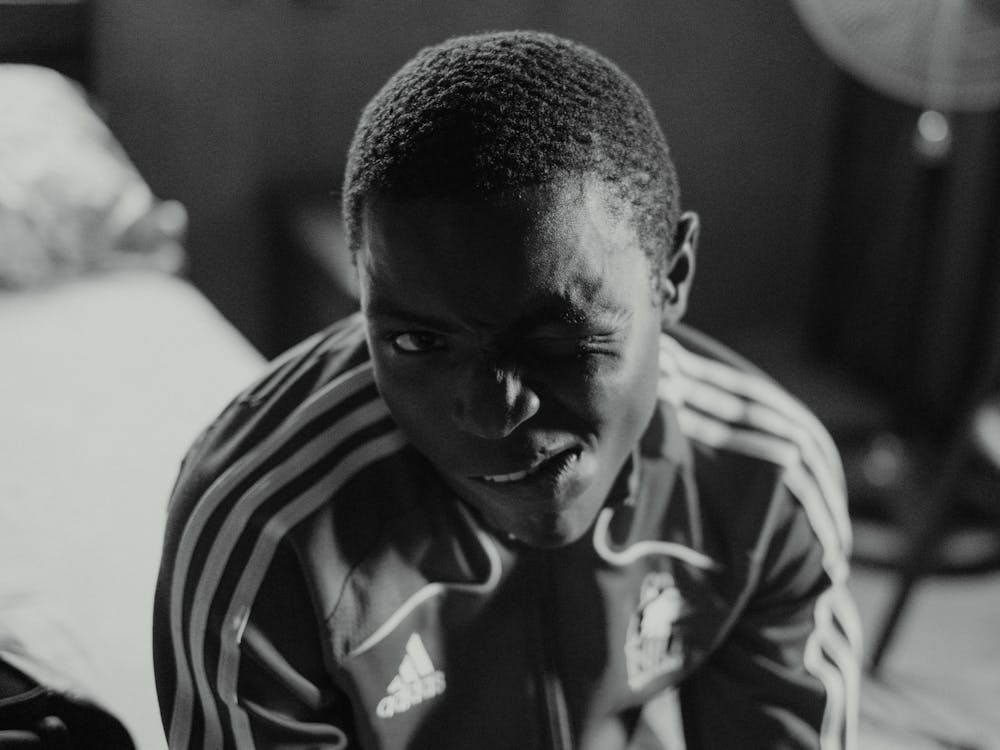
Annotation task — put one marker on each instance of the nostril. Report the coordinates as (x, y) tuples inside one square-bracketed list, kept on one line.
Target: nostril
[(482, 421)]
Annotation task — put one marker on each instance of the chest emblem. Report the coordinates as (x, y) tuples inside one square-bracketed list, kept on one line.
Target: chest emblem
[(653, 645), (416, 680)]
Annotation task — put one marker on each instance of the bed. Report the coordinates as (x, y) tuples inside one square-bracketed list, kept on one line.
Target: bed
[(106, 379), (111, 364)]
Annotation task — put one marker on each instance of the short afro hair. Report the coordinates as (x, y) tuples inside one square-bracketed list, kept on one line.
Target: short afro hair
[(498, 112)]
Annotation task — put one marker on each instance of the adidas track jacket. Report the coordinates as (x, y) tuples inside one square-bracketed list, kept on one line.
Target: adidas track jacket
[(321, 588)]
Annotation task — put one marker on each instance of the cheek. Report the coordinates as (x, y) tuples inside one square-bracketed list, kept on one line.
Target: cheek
[(622, 389), (628, 396), (612, 404), (634, 396), (417, 399)]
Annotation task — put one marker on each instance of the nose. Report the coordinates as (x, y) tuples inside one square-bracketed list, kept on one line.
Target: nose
[(493, 400)]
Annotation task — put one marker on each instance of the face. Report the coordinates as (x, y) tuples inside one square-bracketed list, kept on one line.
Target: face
[(515, 342)]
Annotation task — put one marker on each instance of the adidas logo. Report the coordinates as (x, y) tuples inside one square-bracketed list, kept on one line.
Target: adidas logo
[(415, 682)]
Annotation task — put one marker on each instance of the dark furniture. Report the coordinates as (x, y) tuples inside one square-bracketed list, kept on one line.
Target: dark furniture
[(53, 33)]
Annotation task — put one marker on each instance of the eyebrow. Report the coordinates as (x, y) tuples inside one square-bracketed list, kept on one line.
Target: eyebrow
[(380, 308), (552, 308), (565, 310)]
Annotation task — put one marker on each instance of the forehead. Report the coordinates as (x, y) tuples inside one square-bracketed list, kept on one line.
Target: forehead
[(569, 248)]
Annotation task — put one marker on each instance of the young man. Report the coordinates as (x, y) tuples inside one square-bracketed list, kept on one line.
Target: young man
[(512, 503)]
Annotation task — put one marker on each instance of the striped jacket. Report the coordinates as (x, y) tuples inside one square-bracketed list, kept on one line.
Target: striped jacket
[(320, 587)]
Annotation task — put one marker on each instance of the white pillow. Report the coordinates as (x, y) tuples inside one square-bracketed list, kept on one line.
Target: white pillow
[(70, 198)]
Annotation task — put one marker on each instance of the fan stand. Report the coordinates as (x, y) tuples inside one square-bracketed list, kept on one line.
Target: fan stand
[(938, 90), (977, 437)]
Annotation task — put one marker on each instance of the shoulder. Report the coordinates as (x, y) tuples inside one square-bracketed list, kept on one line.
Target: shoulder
[(327, 374), (314, 420), (735, 415), (770, 488), (311, 434)]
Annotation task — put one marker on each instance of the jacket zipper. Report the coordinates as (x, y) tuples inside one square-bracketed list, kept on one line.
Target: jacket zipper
[(555, 720)]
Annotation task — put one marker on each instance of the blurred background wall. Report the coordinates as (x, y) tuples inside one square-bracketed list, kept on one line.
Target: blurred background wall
[(220, 101)]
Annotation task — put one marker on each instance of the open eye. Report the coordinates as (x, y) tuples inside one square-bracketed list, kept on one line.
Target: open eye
[(417, 342)]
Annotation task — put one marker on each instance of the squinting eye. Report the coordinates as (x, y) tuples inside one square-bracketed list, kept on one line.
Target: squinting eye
[(571, 346), (417, 342)]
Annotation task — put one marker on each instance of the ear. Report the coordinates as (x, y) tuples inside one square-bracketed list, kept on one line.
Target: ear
[(680, 270)]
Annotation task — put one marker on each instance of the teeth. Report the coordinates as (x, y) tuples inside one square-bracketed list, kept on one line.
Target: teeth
[(500, 478)]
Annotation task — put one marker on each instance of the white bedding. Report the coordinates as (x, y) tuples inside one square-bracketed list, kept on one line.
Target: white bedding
[(104, 382)]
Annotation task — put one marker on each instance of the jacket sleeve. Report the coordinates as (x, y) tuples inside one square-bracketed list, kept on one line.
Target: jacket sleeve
[(232, 675), (787, 675), (250, 680)]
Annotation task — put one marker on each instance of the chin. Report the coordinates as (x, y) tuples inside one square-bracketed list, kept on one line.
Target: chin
[(550, 531), (550, 538)]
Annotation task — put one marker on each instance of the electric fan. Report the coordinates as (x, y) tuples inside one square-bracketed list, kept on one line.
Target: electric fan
[(941, 56)]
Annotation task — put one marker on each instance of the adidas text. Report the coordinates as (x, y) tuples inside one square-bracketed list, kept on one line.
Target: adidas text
[(410, 695), (416, 681)]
